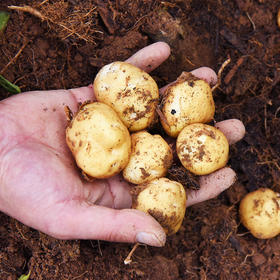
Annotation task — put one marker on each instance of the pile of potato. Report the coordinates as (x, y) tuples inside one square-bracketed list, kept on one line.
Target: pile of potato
[(111, 136)]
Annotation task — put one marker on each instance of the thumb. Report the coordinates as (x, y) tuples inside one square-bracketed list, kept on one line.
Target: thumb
[(102, 223)]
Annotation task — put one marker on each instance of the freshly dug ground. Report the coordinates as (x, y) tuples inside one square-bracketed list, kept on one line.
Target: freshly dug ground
[(67, 46)]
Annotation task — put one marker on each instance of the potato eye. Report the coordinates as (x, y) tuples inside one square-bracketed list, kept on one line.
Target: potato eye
[(173, 111)]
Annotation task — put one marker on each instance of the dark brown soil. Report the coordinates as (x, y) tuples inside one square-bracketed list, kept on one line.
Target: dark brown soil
[(211, 243)]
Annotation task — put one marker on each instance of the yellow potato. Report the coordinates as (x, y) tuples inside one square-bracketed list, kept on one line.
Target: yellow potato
[(99, 141), (202, 148), (189, 100), (131, 92), (260, 213), (165, 200), (150, 158)]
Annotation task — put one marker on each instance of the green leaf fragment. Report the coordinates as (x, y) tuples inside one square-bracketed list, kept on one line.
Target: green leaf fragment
[(9, 86), (24, 277), (4, 17)]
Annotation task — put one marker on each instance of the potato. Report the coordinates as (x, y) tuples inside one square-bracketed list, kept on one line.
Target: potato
[(202, 148), (165, 200), (260, 213), (99, 141), (150, 158), (131, 92), (188, 100)]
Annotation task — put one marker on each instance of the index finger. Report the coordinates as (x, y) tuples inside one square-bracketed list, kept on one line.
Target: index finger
[(150, 57)]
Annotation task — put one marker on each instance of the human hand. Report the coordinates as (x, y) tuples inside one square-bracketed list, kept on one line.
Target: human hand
[(41, 186)]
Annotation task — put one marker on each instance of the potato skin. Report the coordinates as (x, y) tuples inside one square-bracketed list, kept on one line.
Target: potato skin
[(131, 92), (202, 149), (188, 100), (165, 200), (150, 158), (260, 213), (99, 141)]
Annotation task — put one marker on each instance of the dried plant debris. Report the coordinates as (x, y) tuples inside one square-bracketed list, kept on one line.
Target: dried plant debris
[(70, 23), (186, 178)]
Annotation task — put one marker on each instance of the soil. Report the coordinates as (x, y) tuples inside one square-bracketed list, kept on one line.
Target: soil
[(212, 244)]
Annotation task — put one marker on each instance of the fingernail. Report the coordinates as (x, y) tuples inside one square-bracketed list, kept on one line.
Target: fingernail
[(151, 239)]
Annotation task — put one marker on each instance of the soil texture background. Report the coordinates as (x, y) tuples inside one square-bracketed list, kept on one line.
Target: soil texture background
[(66, 47)]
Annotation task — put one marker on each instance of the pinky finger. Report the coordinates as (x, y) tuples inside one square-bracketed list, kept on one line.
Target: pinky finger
[(212, 185)]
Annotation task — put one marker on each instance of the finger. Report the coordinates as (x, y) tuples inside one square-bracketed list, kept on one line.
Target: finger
[(150, 57), (113, 192), (207, 74), (120, 191), (82, 94), (204, 73), (101, 223), (212, 185), (233, 129)]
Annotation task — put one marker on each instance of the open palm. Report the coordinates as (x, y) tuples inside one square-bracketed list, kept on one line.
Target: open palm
[(40, 184)]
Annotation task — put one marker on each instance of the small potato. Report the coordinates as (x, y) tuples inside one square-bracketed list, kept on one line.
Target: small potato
[(165, 200), (202, 148), (188, 100), (99, 141), (150, 158), (131, 92), (260, 213)]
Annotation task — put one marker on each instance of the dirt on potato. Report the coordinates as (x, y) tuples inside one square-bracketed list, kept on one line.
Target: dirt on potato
[(65, 47)]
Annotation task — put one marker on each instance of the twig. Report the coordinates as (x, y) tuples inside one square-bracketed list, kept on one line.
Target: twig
[(42, 3), (87, 14), (14, 58), (253, 24), (79, 276), (128, 259), (248, 255), (265, 120), (168, 4), (269, 162), (16, 224), (69, 30), (99, 248), (220, 74), (243, 234), (29, 10), (190, 62), (233, 70), (276, 112), (135, 25)]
